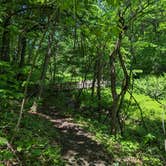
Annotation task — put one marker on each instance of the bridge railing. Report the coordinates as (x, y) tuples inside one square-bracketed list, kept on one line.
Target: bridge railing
[(77, 85)]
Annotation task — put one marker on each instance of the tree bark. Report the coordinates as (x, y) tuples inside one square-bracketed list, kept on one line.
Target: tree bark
[(23, 43), (94, 81), (117, 98), (98, 77), (5, 48), (45, 64)]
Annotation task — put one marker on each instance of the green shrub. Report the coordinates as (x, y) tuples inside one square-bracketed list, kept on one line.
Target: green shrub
[(149, 138), (34, 143), (151, 160), (9, 86), (152, 86)]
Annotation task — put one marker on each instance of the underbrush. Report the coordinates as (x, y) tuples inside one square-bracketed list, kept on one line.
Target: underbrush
[(153, 86), (89, 102), (138, 145), (34, 143)]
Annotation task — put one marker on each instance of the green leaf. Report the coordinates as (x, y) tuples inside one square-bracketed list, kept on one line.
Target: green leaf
[(4, 64), (37, 152), (3, 141), (19, 149)]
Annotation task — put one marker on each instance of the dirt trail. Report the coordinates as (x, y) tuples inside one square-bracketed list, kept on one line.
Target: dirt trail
[(78, 146)]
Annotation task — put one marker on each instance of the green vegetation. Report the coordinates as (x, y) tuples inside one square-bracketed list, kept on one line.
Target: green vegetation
[(153, 86), (100, 64), (33, 145), (140, 144)]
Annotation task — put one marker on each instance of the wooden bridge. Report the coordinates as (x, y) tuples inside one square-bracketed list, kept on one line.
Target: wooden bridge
[(77, 85)]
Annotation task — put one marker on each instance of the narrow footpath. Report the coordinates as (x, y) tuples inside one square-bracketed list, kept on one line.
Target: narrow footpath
[(78, 145)]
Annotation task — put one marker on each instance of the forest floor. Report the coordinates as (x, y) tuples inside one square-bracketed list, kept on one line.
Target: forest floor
[(58, 135), (77, 145), (85, 142)]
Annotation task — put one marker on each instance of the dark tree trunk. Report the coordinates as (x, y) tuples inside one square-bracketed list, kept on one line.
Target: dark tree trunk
[(117, 98), (45, 65), (22, 51), (5, 43)]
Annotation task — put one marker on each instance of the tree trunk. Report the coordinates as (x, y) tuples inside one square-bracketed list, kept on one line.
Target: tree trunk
[(22, 51), (98, 77), (54, 68), (45, 65), (5, 48), (93, 81), (115, 97), (30, 51), (118, 98)]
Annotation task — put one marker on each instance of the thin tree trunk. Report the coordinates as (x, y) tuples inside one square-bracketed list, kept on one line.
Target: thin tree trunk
[(115, 96), (25, 91), (55, 62), (54, 70), (30, 51), (98, 77), (21, 50), (45, 65), (94, 81), (84, 81)]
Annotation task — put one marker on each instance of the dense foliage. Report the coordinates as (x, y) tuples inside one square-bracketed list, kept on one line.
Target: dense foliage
[(103, 59)]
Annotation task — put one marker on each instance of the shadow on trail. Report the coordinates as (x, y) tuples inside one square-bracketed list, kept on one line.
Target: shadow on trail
[(78, 146)]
